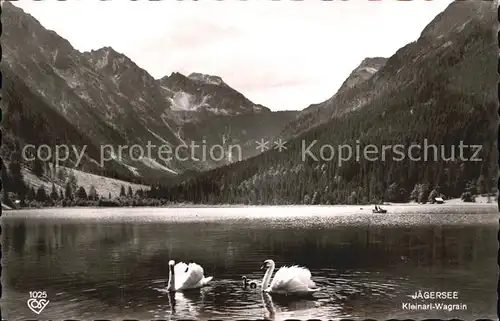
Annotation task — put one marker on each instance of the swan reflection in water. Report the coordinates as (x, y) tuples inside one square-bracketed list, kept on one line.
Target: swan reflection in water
[(286, 305), (171, 301), (183, 303), (267, 301)]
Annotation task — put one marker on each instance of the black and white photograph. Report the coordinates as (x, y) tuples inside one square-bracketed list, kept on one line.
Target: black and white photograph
[(249, 159)]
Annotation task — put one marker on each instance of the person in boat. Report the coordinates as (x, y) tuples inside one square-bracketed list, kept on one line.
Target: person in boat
[(376, 208)]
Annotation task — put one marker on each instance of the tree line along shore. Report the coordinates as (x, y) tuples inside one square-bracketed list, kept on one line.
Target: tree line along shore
[(39, 186)]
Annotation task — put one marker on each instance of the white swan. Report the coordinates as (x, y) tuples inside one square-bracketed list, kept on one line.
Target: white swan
[(184, 276), (287, 280)]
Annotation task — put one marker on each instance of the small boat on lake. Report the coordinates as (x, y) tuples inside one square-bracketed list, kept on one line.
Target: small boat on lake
[(379, 210)]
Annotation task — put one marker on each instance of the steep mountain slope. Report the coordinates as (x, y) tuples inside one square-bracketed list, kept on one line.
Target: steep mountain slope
[(23, 124), (242, 130), (440, 89), (109, 100), (317, 114), (107, 107), (456, 19)]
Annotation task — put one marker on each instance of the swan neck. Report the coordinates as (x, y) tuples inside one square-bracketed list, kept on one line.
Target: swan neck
[(171, 278)]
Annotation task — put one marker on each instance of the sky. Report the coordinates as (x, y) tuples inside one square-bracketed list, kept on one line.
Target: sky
[(284, 54)]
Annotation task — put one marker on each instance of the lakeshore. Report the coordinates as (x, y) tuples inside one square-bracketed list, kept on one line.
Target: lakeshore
[(480, 201)]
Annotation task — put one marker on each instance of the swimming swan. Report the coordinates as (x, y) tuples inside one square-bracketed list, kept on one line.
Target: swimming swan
[(184, 276), (246, 283), (287, 280)]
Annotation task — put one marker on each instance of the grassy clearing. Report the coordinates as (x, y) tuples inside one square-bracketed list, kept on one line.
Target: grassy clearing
[(103, 185)]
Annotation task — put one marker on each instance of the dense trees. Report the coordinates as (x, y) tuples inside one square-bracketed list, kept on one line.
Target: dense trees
[(38, 169), (17, 184), (68, 192), (81, 193), (93, 193), (53, 194), (41, 195)]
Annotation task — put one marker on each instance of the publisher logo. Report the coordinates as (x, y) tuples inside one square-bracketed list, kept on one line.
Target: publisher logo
[(37, 301)]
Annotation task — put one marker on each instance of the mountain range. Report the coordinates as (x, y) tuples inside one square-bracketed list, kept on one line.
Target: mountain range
[(439, 88), (102, 97)]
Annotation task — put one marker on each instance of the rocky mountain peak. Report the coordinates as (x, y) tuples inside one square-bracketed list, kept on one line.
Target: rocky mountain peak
[(207, 93), (365, 70), (207, 79), (174, 78), (109, 59)]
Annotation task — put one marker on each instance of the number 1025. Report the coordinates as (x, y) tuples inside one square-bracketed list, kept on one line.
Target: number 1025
[(38, 294)]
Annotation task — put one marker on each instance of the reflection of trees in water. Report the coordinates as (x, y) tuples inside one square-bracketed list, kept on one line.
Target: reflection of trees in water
[(63, 248), (142, 250), (380, 246), (18, 238)]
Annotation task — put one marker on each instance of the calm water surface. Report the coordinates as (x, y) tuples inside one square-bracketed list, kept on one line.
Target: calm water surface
[(113, 263)]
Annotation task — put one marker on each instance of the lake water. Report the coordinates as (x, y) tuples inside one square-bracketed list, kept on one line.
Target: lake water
[(113, 263)]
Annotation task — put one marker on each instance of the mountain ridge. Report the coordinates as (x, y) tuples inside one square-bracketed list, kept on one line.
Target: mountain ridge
[(316, 114), (107, 96), (208, 79)]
